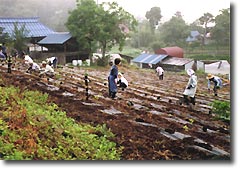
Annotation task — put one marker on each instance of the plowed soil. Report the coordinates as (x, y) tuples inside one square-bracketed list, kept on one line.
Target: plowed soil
[(146, 118)]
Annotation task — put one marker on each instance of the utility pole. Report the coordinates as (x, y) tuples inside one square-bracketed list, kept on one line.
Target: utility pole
[(9, 70)]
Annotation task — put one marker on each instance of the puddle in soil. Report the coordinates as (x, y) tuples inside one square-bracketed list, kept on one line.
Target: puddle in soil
[(157, 106), (91, 104), (214, 151), (111, 111), (146, 124), (178, 135), (156, 112), (178, 120), (68, 94), (174, 136), (138, 106), (52, 88)]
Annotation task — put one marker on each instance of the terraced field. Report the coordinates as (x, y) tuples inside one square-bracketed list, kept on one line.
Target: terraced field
[(146, 117)]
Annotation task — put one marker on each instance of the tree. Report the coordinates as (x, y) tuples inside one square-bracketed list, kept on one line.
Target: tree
[(19, 37), (174, 31), (221, 31), (106, 24), (205, 20), (154, 16)]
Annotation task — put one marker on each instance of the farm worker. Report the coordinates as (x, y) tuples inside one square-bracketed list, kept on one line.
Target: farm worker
[(34, 67), (47, 70), (160, 72), (191, 87), (123, 83), (52, 61), (2, 56), (217, 83), (112, 78), (27, 59)]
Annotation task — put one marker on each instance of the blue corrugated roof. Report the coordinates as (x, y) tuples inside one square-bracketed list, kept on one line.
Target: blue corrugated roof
[(32, 26), (56, 38), (149, 58)]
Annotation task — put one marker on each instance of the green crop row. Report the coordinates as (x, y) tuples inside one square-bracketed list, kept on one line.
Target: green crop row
[(31, 129)]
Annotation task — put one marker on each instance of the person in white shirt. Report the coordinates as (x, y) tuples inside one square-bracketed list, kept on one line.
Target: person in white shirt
[(191, 87), (160, 72), (52, 61), (27, 59), (34, 67), (123, 83), (47, 70)]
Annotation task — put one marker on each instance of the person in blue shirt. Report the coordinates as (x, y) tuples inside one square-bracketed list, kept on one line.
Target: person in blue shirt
[(112, 78), (216, 81)]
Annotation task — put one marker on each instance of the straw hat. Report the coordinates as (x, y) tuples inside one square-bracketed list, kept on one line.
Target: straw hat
[(209, 76), (190, 72)]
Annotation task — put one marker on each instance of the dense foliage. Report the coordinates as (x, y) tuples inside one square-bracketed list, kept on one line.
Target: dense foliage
[(104, 24), (221, 109), (30, 129)]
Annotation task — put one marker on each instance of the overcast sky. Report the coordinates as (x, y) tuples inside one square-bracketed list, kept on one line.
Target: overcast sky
[(190, 9)]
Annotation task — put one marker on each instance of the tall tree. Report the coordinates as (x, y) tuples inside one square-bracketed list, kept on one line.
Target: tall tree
[(154, 17), (221, 31), (205, 20), (174, 31), (106, 24)]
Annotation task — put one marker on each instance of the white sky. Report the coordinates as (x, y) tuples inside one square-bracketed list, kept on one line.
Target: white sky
[(190, 9)]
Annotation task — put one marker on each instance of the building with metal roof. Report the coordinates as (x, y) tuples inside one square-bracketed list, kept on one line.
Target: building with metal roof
[(34, 29), (145, 60), (55, 38), (63, 46), (176, 64)]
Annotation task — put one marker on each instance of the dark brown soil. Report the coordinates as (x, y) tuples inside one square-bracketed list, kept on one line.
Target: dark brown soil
[(146, 118)]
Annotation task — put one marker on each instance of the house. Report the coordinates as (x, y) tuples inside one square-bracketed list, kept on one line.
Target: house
[(146, 60), (34, 29), (170, 58), (194, 36), (63, 46)]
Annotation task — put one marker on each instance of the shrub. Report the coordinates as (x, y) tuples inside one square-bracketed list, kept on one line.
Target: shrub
[(221, 109)]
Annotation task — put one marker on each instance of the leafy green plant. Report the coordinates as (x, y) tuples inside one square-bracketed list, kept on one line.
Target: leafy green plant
[(221, 109), (31, 129)]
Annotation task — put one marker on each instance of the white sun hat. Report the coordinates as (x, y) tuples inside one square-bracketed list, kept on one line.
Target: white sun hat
[(190, 72)]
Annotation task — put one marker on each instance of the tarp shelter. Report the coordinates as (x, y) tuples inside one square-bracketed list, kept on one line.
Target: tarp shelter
[(220, 67), (33, 28), (146, 60), (171, 51)]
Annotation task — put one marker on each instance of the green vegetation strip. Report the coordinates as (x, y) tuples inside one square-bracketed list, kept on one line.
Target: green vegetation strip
[(31, 129)]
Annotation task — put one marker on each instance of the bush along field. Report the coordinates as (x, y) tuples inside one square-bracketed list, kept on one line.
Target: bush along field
[(31, 129)]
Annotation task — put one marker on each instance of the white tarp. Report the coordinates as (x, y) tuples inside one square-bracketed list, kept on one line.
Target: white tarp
[(220, 67)]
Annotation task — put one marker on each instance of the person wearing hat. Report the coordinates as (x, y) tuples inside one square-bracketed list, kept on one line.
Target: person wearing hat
[(33, 67), (123, 83), (217, 83), (191, 87), (47, 70)]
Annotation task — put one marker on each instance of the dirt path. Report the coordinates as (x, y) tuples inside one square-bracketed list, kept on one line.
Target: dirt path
[(146, 118)]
